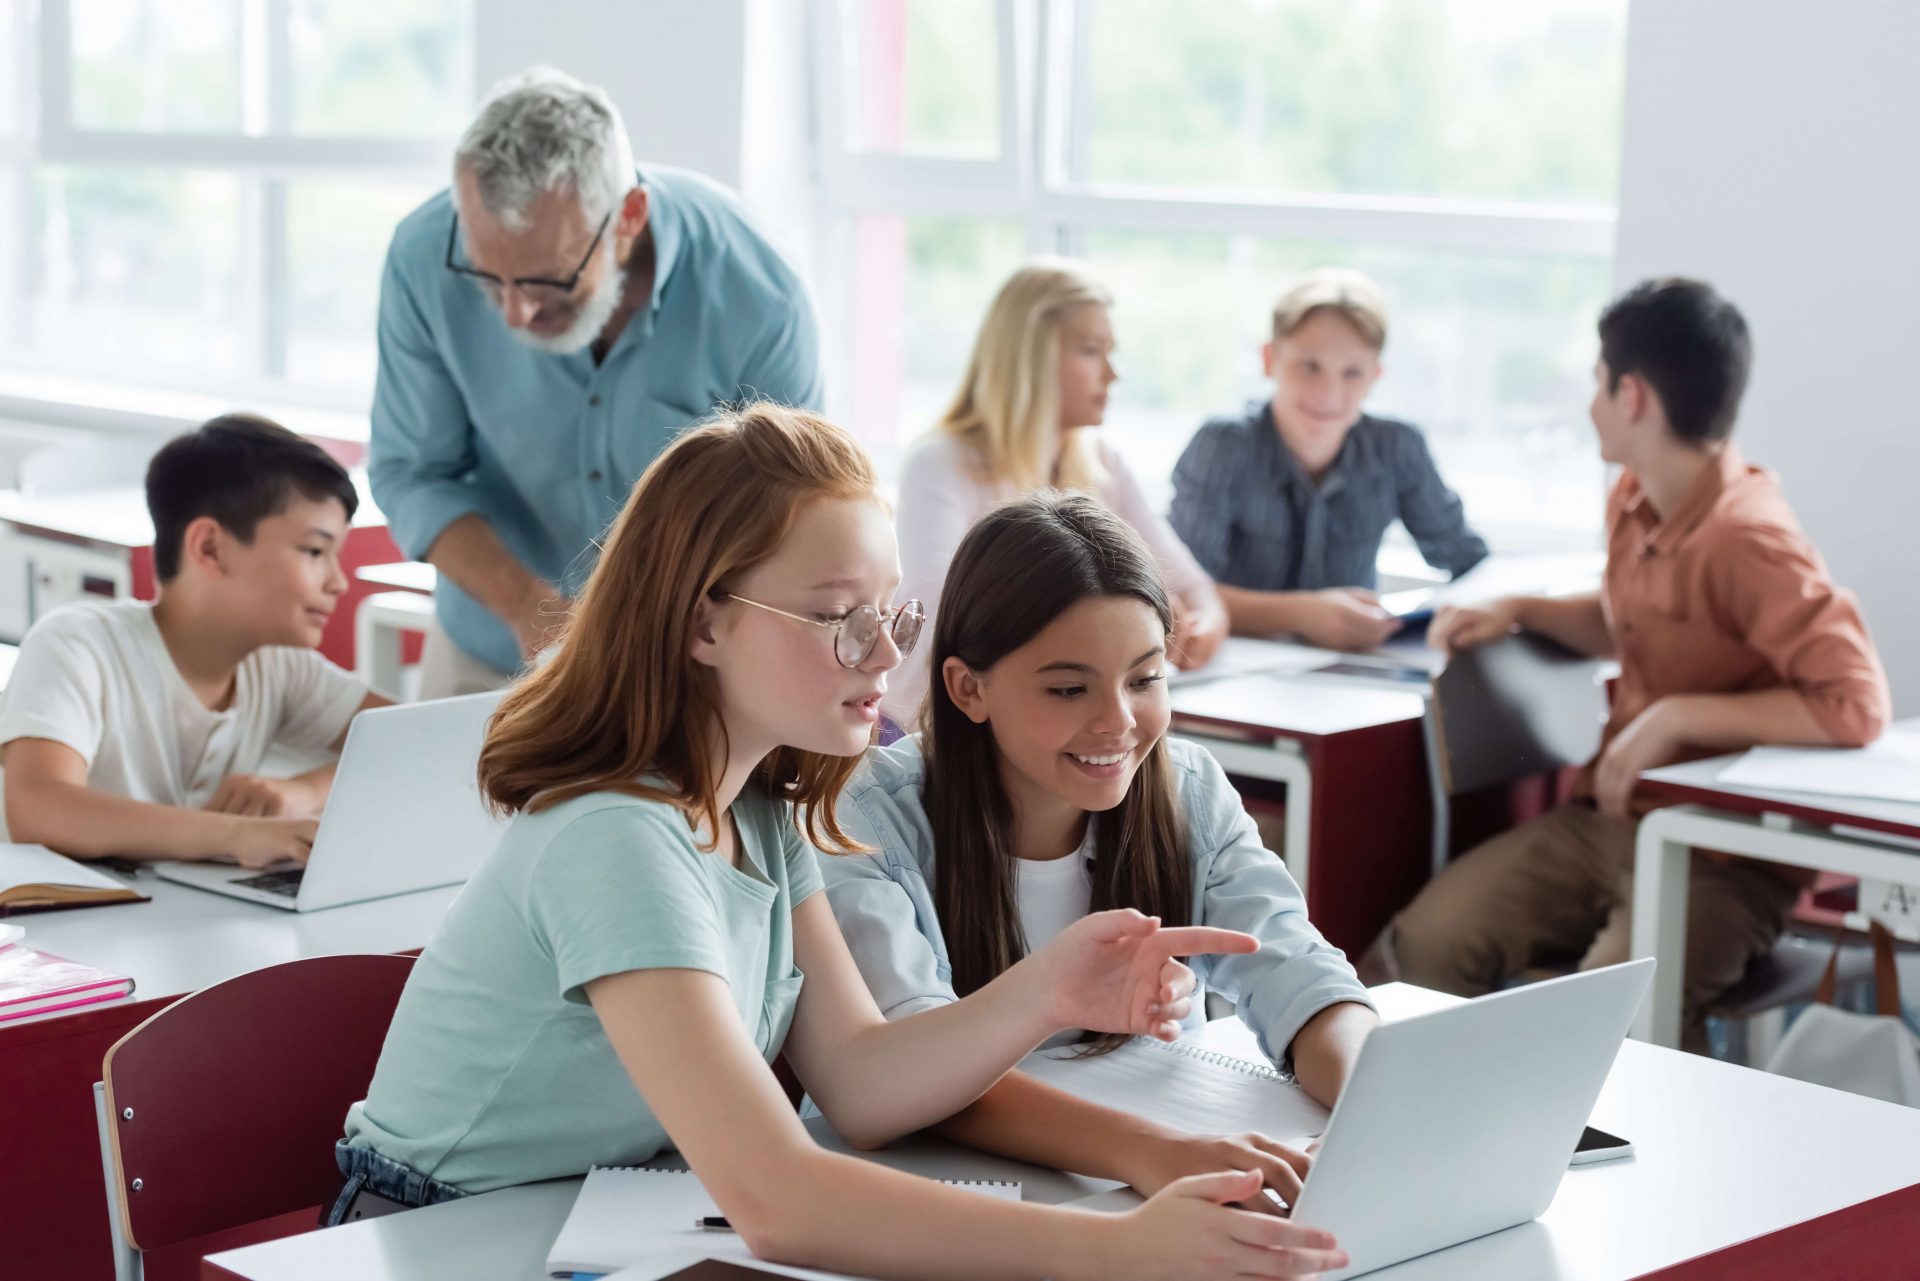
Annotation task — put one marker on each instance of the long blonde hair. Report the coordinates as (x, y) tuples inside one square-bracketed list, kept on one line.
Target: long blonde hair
[(622, 697), (1008, 406)]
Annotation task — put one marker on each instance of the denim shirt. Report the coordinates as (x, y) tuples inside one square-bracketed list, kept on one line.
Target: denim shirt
[(884, 900), (1253, 518), (469, 420)]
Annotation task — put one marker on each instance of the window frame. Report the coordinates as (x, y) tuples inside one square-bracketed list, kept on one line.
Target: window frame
[(1045, 119), (265, 155)]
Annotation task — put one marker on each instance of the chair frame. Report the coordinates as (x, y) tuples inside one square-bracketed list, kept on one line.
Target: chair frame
[(197, 1104)]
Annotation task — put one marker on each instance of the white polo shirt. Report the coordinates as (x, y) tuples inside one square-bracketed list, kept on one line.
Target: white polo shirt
[(97, 677)]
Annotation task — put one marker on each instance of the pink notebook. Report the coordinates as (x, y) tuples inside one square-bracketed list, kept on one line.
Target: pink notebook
[(33, 982)]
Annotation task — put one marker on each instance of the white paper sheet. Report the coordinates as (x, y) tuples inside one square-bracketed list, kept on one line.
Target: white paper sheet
[(1888, 770)]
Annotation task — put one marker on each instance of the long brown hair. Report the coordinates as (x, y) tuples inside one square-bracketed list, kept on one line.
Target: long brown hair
[(1021, 567), (621, 697)]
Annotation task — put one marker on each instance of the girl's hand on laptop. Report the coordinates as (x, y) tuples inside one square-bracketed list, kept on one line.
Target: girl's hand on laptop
[(1168, 1157), (1115, 972), (265, 842), (1190, 1228)]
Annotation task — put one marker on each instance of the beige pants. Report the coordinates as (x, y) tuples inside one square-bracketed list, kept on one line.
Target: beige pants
[(446, 670), (1561, 888)]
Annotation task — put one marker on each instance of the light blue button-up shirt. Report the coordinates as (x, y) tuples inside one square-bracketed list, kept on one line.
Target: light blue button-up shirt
[(885, 905), (468, 419)]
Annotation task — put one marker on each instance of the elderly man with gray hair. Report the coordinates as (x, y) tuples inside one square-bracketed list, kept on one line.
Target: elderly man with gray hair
[(546, 326)]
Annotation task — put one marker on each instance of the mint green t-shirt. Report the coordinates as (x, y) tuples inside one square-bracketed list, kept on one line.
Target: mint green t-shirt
[(496, 1070)]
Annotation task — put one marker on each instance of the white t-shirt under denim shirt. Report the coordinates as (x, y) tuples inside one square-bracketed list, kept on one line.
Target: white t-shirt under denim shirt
[(884, 900), (97, 677), (1051, 894), (496, 1070)]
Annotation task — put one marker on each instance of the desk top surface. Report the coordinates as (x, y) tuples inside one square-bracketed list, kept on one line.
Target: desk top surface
[(187, 939), (1699, 782), (1270, 689), (410, 575), (117, 516), (1724, 1154)]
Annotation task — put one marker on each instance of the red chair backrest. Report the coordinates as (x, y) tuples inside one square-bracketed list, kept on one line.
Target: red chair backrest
[(225, 1105)]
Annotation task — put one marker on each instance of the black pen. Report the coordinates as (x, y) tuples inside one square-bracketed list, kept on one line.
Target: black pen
[(713, 1223)]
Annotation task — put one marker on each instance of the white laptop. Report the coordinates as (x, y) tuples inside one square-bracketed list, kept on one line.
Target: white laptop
[(404, 813), (1459, 1122)]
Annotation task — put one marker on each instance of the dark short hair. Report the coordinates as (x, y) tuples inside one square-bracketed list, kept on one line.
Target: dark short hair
[(238, 469), (1689, 344)]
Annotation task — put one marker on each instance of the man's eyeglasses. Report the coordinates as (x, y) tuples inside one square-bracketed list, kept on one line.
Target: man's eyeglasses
[(538, 288), (856, 634)]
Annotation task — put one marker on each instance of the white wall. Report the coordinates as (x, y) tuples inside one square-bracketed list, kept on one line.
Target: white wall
[(675, 68), (1770, 147)]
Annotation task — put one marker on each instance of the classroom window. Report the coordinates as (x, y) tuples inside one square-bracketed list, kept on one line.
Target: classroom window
[(918, 289), (1463, 152), (922, 77), (138, 270), (212, 183), (1480, 99)]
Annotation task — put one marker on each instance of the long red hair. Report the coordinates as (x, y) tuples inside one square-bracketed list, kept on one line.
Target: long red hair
[(622, 697)]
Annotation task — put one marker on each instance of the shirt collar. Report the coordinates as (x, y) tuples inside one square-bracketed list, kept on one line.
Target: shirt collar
[(1288, 468), (663, 220), (1666, 532)]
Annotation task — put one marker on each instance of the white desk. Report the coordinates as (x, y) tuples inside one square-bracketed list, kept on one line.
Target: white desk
[(187, 939), (408, 575), (1802, 829), (1734, 1173)]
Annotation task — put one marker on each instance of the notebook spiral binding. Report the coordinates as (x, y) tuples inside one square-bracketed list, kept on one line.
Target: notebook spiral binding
[(952, 1183), (1217, 1059)]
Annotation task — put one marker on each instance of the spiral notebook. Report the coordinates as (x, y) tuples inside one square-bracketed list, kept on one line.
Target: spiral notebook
[(1183, 1085), (631, 1214)]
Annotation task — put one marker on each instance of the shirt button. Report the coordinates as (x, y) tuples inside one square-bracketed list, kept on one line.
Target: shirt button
[(594, 474), (593, 400)]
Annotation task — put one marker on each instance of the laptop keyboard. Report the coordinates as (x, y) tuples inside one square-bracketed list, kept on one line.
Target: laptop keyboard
[(286, 883)]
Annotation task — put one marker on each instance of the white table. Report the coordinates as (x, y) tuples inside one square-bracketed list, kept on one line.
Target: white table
[(187, 939), (1846, 835), (383, 621), (408, 575), (1735, 1170)]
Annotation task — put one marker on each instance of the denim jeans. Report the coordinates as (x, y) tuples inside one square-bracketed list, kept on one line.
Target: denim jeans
[(367, 1171)]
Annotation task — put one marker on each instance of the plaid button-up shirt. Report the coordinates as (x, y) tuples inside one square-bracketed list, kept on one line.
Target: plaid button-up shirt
[(1254, 519)]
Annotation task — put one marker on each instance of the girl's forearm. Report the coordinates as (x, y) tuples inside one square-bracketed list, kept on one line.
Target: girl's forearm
[(923, 1069), (850, 1215), (1029, 1120), (1327, 1046)]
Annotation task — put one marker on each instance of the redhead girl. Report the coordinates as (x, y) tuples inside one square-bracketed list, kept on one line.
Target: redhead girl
[(618, 975)]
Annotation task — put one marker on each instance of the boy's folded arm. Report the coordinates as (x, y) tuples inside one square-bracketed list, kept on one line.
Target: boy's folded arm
[(48, 802)]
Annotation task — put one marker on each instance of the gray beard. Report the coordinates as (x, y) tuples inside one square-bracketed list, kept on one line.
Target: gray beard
[(594, 314)]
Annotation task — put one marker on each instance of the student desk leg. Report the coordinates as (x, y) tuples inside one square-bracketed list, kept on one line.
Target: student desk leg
[(1359, 819), (1663, 853)]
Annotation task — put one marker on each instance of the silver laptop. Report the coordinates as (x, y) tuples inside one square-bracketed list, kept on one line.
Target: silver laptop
[(1460, 1122), (404, 813)]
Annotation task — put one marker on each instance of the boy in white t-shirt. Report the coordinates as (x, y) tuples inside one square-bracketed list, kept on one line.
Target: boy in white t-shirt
[(138, 729)]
